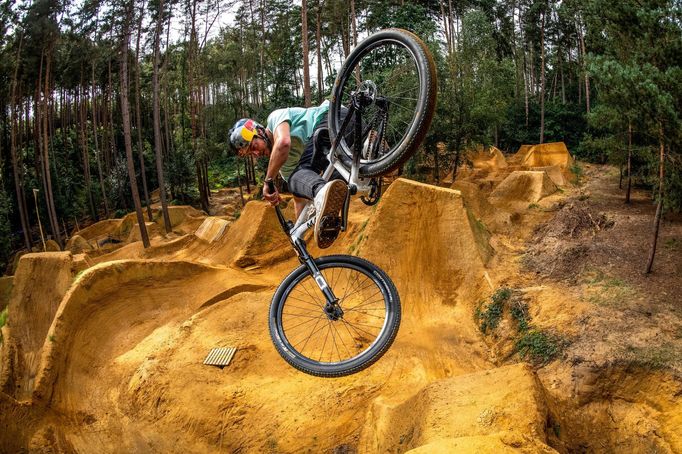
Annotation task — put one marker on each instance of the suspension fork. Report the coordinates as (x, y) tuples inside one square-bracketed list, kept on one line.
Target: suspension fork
[(331, 307)]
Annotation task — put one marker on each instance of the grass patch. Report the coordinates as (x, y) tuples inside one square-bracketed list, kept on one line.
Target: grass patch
[(578, 173), (604, 290), (488, 315), (356, 244), (673, 243), (652, 357), (533, 206), (538, 346), (236, 214), (3, 320)]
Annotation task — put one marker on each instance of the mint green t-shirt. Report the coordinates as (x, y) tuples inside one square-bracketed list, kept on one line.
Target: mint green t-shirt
[(302, 123)]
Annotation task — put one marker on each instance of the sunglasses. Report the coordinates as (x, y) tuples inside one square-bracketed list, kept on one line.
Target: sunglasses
[(250, 149)]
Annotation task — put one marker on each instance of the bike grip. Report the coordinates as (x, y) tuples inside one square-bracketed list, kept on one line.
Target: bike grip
[(271, 185)]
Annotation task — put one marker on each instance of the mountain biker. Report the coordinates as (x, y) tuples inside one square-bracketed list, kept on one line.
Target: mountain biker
[(287, 141)]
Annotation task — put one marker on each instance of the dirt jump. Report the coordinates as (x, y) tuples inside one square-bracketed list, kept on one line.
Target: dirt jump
[(522, 188), (110, 358)]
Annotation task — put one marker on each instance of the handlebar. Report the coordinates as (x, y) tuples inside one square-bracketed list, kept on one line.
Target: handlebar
[(280, 216)]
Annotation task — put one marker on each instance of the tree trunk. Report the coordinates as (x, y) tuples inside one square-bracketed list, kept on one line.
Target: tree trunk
[(125, 118), (82, 129), (627, 192), (525, 84), (659, 206), (112, 138), (318, 42), (97, 152), (542, 79), (563, 88), (18, 178), (446, 26), (138, 120), (158, 149), (353, 21), (587, 77), (49, 194), (239, 181), (306, 63)]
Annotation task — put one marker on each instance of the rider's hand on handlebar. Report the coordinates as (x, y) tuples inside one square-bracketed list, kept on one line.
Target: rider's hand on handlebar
[(272, 197)]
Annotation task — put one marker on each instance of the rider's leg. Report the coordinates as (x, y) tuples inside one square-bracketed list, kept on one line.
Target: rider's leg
[(328, 198), (299, 204)]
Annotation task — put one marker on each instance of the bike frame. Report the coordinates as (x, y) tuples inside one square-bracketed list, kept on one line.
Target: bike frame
[(296, 231)]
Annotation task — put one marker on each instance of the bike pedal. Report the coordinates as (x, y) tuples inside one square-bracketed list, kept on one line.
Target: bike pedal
[(330, 226)]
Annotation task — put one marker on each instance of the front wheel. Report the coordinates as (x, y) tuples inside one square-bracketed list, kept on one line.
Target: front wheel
[(311, 341), (396, 72)]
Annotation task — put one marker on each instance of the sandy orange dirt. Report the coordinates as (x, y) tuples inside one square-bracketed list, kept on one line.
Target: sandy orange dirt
[(103, 349)]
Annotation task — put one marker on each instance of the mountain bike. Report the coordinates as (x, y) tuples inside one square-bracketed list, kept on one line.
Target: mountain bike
[(337, 315)]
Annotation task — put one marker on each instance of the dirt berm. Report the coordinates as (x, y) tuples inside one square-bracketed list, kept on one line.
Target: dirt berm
[(121, 367), (40, 282)]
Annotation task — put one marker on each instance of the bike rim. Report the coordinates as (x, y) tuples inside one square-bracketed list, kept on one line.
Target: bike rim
[(392, 67), (306, 329)]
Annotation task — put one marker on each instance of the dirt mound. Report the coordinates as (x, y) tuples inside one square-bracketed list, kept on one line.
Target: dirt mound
[(558, 176), (255, 239), (575, 218), (475, 200), (77, 245), (509, 407), (547, 154), (40, 283), (184, 219), (491, 159), (52, 246), (522, 151), (99, 229), (521, 188), (212, 229), (557, 247), (610, 408), (408, 214)]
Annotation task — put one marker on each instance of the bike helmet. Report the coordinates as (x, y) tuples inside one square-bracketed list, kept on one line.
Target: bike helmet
[(243, 132)]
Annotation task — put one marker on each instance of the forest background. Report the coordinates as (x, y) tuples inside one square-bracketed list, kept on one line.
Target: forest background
[(94, 92)]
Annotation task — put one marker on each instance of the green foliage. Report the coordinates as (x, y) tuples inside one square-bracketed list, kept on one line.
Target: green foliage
[(3, 317), (538, 346), (519, 312), (488, 315), (578, 172), (3, 320), (5, 229)]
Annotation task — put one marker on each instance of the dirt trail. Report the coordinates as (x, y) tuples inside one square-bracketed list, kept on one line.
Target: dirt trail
[(121, 368)]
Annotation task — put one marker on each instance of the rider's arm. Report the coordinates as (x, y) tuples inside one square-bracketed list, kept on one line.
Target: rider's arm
[(280, 149), (278, 156)]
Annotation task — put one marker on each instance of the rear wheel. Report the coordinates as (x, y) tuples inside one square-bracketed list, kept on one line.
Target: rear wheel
[(397, 72), (317, 344)]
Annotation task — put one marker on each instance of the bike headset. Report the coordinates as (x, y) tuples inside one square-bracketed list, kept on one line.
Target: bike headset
[(244, 131)]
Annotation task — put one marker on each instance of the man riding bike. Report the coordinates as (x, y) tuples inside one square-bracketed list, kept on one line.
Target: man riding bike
[(287, 141)]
